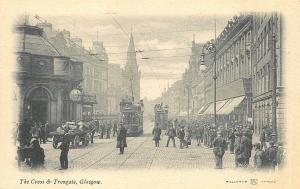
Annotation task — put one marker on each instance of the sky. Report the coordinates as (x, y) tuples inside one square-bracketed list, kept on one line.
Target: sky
[(165, 40)]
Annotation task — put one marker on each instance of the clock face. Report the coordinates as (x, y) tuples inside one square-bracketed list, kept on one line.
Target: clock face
[(19, 59)]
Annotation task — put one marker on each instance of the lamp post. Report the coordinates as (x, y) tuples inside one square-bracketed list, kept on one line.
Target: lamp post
[(210, 46), (274, 86)]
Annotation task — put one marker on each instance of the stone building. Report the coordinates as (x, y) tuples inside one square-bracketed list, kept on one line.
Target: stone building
[(264, 55), (233, 71), (131, 74), (95, 67), (114, 88), (44, 79), (194, 79)]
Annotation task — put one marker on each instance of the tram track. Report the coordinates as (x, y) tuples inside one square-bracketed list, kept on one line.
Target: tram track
[(105, 156), (135, 150)]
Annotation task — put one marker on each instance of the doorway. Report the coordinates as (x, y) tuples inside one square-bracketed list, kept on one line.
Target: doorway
[(39, 110), (38, 105)]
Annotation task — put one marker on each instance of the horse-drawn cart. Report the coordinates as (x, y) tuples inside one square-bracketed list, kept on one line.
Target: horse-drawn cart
[(75, 134)]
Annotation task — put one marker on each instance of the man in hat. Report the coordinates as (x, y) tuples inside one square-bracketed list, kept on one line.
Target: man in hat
[(246, 147), (171, 133), (181, 135), (156, 132), (231, 141), (259, 157), (121, 138), (64, 147), (37, 155), (108, 129), (219, 145), (271, 154), (262, 138), (115, 127), (237, 149)]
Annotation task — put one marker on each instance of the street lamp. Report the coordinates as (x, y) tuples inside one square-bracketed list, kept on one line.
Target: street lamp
[(210, 46)]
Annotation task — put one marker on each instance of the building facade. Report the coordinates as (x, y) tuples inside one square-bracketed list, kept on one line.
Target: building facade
[(233, 73), (131, 74), (194, 80), (267, 56), (114, 88), (95, 68), (45, 79)]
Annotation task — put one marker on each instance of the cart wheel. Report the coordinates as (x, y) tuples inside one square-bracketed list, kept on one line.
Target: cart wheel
[(87, 140), (54, 142), (76, 141)]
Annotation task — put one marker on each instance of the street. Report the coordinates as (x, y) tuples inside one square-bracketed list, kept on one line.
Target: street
[(140, 153)]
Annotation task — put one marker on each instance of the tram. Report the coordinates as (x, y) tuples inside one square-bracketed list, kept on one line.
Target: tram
[(161, 115), (132, 116)]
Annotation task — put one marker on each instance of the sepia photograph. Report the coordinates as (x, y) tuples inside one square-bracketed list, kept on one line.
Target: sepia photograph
[(122, 93), (172, 92)]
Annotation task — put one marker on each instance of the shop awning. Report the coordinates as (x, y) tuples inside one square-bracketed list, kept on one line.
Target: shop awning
[(219, 105), (230, 105), (203, 108)]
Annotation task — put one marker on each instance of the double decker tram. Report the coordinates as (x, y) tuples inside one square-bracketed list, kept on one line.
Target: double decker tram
[(161, 115), (132, 116)]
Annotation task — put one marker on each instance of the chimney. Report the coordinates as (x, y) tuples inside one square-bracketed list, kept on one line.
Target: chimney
[(78, 41), (47, 28), (66, 34)]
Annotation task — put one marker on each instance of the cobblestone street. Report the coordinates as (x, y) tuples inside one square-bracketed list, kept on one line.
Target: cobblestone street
[(140, 153)]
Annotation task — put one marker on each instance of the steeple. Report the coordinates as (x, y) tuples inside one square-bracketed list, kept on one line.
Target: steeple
[(131, 47), (131, 73)]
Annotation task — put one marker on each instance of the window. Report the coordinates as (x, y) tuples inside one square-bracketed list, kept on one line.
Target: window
[(254, 83), (268, 76), (257, 55), (258, 41), (265, 37), (267, 41), (261, 45), (264, 79)]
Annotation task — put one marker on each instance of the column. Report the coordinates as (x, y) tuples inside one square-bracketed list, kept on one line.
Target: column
[(59, 104)]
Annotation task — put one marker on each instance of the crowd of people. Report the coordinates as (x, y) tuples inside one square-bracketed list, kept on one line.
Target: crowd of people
[(30, 134), (233, 137)]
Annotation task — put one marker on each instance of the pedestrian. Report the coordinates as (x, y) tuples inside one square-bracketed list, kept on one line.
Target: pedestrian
[(237, 149), (24, 134), (42, 134), (156, 132), (262, 138), (37, 155), (280, 158), (188, 136), (102, 129), (231, 141), (121, 138), (271, 154), (115, 127), (219, 145), (181, 135), (171, 133), (246, 148), (259, 157), (213, 135), (108, 129), (198, 135), (47, 131), (64, 147), (92, 126), (35, 130)]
